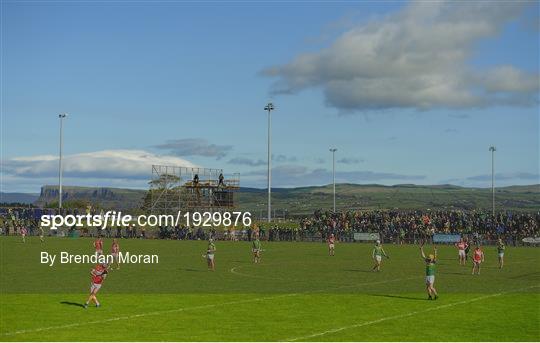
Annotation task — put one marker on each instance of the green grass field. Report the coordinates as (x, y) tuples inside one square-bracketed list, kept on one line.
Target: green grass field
[(297, 293)]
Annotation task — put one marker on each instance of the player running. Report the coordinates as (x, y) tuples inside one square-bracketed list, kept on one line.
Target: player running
[(41, 235), (98, 245), (377, 254), (331, 244), (461, 246), (99, 273), (478, 258), (431, 260), (256, 249), (500, 252), (210, 251), (115, 250)]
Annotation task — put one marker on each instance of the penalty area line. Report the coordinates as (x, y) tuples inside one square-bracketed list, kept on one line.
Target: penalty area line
[(404, 315)]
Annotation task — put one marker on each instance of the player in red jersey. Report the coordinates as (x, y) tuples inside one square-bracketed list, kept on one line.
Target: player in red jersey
[(331, 244), (24, 232), (98, 245), (478, 258), (115, 250), (462, 246), (99, 273)]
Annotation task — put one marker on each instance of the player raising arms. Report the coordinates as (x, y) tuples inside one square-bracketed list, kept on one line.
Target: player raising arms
[(115, 250), (98, 245), (210, 251), (461, 246), (431, 260), (478, 258), (377, 254), (500, 252), (256, 249), (331, 244), (98, 275)]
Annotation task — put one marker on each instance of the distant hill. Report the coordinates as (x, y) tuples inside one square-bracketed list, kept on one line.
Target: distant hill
[(21, 198), (304, 200), (106, 197)]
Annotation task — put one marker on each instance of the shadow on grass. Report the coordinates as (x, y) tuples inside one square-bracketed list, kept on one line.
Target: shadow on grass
[(359, 270), (399, 297), (193, 270), (72, 304)]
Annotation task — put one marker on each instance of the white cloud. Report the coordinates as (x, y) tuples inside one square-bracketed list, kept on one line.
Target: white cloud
[(195, 147), (105, 164), (296, 176), (507, 176), (509, 79), (416, 58)]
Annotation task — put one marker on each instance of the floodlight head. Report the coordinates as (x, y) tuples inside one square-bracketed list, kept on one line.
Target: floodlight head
[(62, 115), (333, 149), (492, 148), (269, 107)]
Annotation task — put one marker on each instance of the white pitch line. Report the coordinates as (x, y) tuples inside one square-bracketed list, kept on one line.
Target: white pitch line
[(404, 315), (182, 309), (154, 313)]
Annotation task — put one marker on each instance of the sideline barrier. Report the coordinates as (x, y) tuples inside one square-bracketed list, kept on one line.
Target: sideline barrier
[(531, 240), (446, 238), (366, 236)]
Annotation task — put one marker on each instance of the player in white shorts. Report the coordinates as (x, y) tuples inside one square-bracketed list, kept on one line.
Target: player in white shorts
[(500, 252), (430, 261), (377, 254), (99, 273), (462, 246), (23, 234), (98, 246), (115, 251), (331, 244), (210, 251)]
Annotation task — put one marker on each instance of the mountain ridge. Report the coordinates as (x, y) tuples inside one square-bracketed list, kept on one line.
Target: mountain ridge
[(304, 200)]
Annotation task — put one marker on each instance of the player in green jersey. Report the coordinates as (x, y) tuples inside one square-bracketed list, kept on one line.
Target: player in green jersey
[(210, 251), (256, 249), (377, 254), (430, 260), (500, 252)]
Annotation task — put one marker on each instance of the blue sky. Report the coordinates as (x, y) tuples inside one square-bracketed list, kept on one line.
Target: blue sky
[(407, 92)]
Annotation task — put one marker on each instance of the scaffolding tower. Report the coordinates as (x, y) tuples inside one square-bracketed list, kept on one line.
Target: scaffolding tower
[(175, 188)]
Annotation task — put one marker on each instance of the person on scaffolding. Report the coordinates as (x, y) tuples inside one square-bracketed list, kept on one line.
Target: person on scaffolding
[(196, 186), (221, 181)]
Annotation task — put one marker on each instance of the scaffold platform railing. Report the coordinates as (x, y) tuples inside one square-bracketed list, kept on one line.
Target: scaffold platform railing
[(176, 188)]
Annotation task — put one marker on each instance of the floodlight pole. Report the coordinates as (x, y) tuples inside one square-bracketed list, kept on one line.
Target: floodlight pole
[(61, 116), (333, 151), (269, 108), (493, 149)]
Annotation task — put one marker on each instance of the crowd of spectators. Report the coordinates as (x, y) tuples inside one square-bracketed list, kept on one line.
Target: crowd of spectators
[(396, 226), (392, 226), (12, 220)]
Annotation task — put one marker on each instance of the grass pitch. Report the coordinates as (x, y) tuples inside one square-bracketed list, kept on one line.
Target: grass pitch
[(297, 293)]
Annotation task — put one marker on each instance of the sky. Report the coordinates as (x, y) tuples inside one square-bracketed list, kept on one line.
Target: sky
[(407, 92)]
